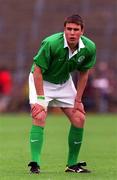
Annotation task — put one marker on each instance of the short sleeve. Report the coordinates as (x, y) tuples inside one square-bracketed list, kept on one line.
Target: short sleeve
[(42, 59)]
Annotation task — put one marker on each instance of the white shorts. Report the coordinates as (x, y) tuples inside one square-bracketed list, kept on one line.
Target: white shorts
[(56, 95)]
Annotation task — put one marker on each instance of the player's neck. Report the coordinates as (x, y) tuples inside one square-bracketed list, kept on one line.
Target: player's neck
[(73, 48)]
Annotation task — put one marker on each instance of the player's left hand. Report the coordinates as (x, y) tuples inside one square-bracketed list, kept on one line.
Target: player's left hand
[(78, 105)]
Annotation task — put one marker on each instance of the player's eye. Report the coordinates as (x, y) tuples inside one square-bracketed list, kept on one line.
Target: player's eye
[(69, 29), (76, 29)]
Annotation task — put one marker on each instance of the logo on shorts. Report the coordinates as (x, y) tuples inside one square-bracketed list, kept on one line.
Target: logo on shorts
[(80, 59)]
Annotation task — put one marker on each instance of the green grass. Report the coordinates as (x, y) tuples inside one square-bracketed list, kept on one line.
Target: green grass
[(99, 148)]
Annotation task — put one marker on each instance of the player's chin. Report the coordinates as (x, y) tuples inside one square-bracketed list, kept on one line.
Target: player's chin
[(73, 43)]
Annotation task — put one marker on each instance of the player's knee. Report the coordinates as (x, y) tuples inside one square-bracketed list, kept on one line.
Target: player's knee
[(40, 119), (78, 119)]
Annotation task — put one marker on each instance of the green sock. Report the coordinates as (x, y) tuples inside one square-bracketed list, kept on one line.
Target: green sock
[(36, 141), (74, 141)]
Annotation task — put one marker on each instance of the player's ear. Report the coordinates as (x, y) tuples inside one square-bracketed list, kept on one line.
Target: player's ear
[(82, 32), (64, 28)]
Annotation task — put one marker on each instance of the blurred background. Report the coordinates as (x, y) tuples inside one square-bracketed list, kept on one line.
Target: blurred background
[(23, 24)]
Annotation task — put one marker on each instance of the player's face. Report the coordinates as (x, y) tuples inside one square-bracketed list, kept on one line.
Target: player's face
[(72, 33)]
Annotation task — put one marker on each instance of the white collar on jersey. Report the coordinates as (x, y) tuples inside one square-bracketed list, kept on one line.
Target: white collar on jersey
[(81, 44)]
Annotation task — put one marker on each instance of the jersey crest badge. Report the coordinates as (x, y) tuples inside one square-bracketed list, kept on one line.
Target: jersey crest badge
[(80, 59)]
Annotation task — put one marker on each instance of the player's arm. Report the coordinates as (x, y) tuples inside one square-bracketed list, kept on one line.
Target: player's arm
[(83, 77), (38, 81)]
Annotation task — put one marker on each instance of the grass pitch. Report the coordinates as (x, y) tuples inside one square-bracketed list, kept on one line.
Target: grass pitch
[(99, 148)]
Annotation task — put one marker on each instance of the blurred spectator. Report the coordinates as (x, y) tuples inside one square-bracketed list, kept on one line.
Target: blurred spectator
[(101, 85), (5, 89)]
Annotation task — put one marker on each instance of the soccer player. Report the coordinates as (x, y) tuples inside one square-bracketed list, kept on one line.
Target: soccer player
[(50, 84)]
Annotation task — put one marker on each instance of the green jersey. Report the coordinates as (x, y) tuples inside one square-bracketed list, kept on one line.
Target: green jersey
[(55, 61)]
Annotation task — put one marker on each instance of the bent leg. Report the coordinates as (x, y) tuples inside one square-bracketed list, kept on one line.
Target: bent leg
[(38, 124), (76, 117), (75, 134)]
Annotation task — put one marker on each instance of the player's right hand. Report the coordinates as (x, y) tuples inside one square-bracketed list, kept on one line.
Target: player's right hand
[(36, 109)]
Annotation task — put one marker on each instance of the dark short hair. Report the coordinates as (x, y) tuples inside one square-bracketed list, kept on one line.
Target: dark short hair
[(74, 19)]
